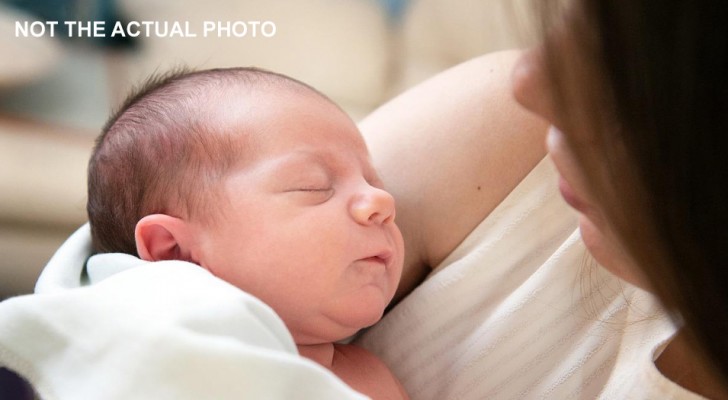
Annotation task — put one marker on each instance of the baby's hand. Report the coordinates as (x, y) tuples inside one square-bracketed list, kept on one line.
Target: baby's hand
[(366, 373)]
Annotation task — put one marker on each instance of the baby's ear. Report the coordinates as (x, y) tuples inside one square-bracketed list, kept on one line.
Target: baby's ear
[(162, 237)]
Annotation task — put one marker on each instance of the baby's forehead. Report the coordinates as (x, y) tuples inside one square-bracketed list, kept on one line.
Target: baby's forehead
[(262, 117), (246, 102), (268, 113)]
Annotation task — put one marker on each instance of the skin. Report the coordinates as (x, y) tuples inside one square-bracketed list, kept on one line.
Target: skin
[(462, 140), (306, 226)]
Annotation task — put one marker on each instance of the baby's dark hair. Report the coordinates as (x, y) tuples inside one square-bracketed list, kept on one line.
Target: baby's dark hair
[(160, 153)]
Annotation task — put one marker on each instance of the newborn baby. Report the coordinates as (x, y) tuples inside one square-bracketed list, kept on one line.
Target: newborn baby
[(267, 184)]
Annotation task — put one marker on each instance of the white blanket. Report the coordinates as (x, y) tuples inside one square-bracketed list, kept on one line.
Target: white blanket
[(166, 330)]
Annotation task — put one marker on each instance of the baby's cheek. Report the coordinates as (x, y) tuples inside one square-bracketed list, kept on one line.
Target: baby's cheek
[(395, 275)]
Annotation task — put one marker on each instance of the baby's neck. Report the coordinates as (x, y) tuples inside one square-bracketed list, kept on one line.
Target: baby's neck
[(322, 353)]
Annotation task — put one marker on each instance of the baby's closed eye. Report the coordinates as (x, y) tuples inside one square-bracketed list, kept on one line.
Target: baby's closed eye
[(311, 189), (314, 194)]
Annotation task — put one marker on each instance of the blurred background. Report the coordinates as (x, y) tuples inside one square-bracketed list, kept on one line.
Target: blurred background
[(56, 93)]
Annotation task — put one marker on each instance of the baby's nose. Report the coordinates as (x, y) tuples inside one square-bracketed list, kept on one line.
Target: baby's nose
[(373, 206)]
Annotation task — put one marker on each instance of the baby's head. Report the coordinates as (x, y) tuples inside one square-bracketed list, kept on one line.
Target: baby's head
[(259, 179), (167, 148)]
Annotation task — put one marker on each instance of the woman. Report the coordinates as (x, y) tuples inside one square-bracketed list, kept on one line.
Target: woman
[(639, 129), (640, 154)]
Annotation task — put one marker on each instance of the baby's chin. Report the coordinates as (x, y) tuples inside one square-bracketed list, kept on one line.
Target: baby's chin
[(367, 313), (335, 328)]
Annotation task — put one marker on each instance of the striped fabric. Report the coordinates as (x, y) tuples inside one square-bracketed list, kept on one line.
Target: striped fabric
[(518, 311)]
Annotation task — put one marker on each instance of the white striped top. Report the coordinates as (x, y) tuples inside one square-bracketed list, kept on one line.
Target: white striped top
[(518, 311)]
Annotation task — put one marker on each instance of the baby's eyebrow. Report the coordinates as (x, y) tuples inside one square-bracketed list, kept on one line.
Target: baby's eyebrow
[(329, 163), (302, 159)]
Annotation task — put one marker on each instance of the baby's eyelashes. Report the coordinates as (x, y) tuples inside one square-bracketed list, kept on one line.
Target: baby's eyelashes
[(315, 195), (311, 189)]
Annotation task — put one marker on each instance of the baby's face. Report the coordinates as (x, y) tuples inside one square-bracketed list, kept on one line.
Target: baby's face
[(306, 226)]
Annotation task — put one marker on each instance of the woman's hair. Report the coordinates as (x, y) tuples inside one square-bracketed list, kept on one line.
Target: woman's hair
[(643, 83), (163, 151)]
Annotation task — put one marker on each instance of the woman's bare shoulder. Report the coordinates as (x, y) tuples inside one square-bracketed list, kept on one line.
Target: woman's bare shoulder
[(450, 150)]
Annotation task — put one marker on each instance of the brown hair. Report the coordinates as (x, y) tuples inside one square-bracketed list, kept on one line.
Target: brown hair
[(646, 79), (162, 153)]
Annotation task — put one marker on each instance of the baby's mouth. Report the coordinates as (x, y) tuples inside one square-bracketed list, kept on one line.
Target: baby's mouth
[(380, 258)]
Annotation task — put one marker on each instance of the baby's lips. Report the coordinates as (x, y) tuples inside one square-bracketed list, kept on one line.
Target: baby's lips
[(382, 257)]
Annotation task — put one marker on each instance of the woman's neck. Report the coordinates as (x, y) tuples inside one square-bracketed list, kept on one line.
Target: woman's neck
[(679, 363)]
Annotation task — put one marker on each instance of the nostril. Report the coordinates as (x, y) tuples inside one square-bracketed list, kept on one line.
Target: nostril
[(389, 218), (377, 218)]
